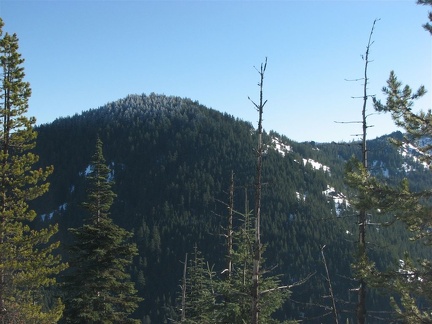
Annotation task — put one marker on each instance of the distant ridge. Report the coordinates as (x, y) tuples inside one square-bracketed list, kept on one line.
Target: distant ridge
[(171, 159)]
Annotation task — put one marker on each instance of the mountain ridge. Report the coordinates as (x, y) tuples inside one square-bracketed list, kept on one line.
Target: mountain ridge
[(171, 159)]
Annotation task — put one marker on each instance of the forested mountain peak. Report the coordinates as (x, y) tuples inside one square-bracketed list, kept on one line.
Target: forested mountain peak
[(142, 106), (171, 159)]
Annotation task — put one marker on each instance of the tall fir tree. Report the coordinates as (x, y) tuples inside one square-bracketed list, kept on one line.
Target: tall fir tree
[(410, 281), (28, 264), (98, 288)]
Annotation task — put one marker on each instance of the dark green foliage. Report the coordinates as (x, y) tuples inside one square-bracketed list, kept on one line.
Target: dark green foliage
[(427, 26), (409, 204), (410, 279), (99, 194), (225, 297), (97, 286), (235, 291), (235, 287), (28, 262), (199, 291), (171, 159)]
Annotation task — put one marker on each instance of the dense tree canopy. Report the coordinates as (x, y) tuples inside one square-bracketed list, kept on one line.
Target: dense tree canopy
[(172, 165), (171, 159), (28, 263), (97, 285)]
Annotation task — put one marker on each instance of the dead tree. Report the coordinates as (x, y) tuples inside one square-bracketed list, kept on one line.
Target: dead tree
[(230, 225), (183, 287), (362, 215), (361, 307), (330, 287), (257, 250)]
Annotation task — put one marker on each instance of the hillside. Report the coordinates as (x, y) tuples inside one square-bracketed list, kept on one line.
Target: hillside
[(171, 160)]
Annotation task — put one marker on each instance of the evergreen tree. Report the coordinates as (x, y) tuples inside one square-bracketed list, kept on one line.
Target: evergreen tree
[(427, 26), (98, 288), (224, 298), (164, 167), (411, 280), (362, 258), (227, 297), (199, 302), (28, 264), (235, 291)]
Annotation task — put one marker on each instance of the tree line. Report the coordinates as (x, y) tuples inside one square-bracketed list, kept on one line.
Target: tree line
[(37, 286)]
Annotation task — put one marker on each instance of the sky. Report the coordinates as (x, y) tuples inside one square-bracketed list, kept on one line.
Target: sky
[(80, 55)]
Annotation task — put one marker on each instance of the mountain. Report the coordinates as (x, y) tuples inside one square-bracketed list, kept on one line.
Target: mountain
[(171, 160)]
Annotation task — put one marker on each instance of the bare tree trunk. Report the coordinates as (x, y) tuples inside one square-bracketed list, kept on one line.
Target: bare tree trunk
[(361, 306), (334, 310), (230, 225), (257, 211), (4, 183), (183, 300), (246, 231)]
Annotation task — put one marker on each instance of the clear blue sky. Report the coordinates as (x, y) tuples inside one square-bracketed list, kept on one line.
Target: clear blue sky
[(82, 54)]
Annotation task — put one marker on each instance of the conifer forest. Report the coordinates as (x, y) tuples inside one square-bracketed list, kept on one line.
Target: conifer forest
[(157, 209)]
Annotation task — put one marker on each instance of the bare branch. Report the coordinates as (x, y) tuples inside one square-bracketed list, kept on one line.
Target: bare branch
[(334, 310), (354, 80), (350, 122), (298, 283), (363, 97)]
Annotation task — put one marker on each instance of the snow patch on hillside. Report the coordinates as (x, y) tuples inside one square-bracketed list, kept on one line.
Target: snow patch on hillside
[(425, 141), (280, 147), (410, 151), (407, 168), (89, 169), (111, 174), (339, 199), (316, 165), (50, 215), (86, 172), (410, 275), (381, 166), (300, 196), (284, 149)]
